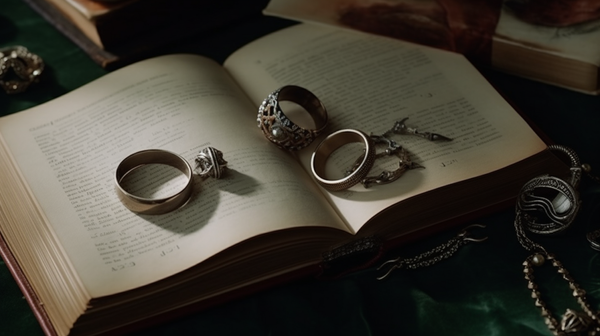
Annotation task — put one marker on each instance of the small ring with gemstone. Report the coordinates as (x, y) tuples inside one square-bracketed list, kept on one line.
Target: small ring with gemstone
[(329, 145), (210, 163), (19, 68), (153, 206), (282, 131)]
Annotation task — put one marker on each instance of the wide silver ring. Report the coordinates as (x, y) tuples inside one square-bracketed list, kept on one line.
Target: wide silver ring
[(331, 143), (282, 131), (153, 206), (19, 68), (210, 163)]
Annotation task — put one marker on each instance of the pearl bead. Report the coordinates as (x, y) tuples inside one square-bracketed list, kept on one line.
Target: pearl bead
[(277, 132), (586, 167), (538, 259)]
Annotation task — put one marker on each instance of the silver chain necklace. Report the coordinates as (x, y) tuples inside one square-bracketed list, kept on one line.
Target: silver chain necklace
[(538, 213)]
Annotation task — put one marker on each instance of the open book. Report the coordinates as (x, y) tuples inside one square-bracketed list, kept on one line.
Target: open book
[(95, 266), (549, 41)]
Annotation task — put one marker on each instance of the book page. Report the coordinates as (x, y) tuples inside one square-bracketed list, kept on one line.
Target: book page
[(573, 41), (576, 41), (68, 150), (368, 83)]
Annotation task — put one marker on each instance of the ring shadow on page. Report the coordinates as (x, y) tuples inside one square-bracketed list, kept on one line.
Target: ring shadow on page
[(206, 197)]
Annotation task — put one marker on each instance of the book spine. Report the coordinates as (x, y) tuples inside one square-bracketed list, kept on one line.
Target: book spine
[(56, 19)]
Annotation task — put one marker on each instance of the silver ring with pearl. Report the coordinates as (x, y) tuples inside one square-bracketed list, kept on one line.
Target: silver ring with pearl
[(282, 131), (210, 163)]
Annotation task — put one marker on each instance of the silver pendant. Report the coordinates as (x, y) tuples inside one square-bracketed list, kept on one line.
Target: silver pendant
[(548, 204)]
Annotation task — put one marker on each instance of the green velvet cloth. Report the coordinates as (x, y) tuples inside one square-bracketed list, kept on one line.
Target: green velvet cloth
[(479, 291)]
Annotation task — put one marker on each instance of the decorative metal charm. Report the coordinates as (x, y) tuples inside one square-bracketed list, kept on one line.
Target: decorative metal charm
[(548, 215), (434, 255), (19, 68), (393, 148), (577, 323), (386, 176), (584, 322), (561, 210), (401, 128), (210, 163), (549, 204)]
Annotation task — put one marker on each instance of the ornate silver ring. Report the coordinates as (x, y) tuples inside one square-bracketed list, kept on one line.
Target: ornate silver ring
[(153, 206), (210, 163), (282, 131), (19, 68), (331, 143)]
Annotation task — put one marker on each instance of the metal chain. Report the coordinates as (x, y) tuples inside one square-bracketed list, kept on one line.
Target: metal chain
[(585, 322), (527, 243), (576, 166), (588, 170), (572, 322), (435, 255), (592, 236)]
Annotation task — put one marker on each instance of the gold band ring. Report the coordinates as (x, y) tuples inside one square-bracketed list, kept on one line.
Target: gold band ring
[(333, 142), (153, 206)]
